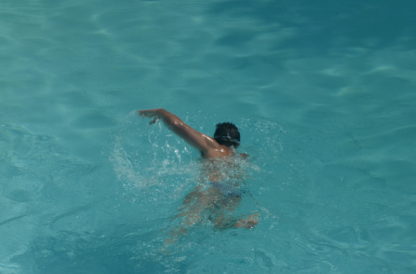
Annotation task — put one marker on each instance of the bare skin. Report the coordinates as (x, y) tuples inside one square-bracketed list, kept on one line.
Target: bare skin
[(215, 157)]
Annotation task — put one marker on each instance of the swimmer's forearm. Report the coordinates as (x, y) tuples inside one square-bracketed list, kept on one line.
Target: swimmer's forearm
[(174, 123), (170, 119)]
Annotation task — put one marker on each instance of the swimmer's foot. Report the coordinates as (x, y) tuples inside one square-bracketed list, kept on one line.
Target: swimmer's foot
[(174, 236), (249, 222)]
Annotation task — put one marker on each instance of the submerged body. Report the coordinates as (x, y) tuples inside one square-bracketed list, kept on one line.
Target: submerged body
[(219, 191)]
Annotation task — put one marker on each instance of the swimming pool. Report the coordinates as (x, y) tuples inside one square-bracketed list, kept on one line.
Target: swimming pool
[(323, 94)]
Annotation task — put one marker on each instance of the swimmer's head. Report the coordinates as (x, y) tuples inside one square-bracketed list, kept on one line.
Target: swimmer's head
[(227, 134)]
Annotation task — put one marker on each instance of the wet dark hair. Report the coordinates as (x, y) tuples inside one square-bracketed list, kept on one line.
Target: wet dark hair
[(227, 134)]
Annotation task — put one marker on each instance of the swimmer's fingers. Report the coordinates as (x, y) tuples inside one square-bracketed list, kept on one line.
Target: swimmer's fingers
[(150, 113), (147, 113), (154, 120)]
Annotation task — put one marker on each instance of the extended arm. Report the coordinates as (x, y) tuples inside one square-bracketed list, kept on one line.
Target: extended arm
[(195, 138)]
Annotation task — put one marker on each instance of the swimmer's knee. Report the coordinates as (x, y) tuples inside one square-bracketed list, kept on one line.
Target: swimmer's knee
[(222, 224)]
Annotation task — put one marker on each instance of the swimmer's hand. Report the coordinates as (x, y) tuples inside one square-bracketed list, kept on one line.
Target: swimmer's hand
[(151, 113)]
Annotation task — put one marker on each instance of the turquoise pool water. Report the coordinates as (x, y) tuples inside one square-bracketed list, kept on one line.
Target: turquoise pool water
[(323, 93)]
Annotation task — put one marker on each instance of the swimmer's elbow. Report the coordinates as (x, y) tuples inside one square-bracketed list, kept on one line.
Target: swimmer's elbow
[(174, 123), (169, 118)]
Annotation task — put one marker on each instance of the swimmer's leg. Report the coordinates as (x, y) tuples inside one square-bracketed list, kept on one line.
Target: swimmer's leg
[(191, 217), (194, 204), (248, 222), (193, 196), (191, 205), (222, 222)]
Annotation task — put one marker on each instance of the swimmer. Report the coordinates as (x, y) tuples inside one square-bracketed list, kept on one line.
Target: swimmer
[(220, 194)]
